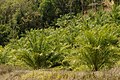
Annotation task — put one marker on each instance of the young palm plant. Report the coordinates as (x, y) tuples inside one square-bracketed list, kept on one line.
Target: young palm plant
[(43, 49), (98, 47)]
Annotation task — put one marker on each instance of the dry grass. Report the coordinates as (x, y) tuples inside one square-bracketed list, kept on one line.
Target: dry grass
[(10, 73), (113, 74)]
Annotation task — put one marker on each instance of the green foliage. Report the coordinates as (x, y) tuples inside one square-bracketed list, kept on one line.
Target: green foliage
[(99, 47), (4, 55), (20, 15), (4, 34), (115, 14), (47, 11), (90, 40), (40, 49), (70, 47), (23, 15), (67, 6)]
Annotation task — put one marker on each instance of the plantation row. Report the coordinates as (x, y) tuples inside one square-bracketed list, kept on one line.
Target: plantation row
[(89, 42)]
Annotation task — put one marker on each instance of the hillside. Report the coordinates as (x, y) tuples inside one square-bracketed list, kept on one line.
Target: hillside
[(59, 40)]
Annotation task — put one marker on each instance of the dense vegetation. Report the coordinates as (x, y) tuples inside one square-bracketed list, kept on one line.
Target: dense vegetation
[(58, 34)]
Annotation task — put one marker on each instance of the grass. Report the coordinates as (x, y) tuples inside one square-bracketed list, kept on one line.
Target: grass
[(11, 73), (71, 75)]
